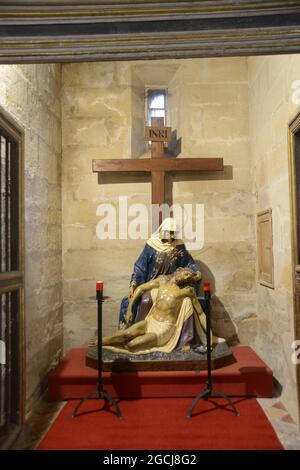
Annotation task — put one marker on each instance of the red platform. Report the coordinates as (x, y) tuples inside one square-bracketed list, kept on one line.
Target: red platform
[(248, 376)]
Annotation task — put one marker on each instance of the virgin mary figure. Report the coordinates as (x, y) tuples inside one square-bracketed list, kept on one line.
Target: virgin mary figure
[(163, 253)]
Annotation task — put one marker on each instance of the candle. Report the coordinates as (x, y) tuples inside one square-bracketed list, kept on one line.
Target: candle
[(206, 287), (99, 286)]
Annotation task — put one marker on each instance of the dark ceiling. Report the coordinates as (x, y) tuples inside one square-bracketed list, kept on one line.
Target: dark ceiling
[(73, 30)]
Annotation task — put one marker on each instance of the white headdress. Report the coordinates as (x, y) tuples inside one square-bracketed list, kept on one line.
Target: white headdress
[(168, 225)]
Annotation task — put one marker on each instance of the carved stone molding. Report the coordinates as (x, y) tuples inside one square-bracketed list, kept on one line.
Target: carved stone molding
[(36, 11), (73, 30)]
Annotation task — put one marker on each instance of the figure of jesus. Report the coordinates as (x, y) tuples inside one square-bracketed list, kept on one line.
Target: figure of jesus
[(161, 328)]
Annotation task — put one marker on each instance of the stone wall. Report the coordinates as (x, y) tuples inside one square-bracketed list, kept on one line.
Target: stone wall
[(271, 109), (103, 116), (31, 95), (96, 106), (211, 111)]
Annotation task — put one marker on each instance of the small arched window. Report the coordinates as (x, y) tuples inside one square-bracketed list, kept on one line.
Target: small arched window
[(156, 105)]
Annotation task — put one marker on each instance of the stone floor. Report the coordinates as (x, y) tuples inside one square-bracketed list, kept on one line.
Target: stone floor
[(285, 427), (45, 413), (38, 423)]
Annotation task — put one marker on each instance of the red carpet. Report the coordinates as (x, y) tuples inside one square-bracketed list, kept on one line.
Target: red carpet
[(160, 423), (249, 375)]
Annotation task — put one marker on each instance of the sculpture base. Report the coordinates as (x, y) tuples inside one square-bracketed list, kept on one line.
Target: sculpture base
[(249, 375), (157, 361)]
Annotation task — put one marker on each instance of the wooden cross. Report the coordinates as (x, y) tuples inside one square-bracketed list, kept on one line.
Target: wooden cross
[(158, 165)]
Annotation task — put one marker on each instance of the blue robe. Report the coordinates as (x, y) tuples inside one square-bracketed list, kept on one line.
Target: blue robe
[(152, 263)]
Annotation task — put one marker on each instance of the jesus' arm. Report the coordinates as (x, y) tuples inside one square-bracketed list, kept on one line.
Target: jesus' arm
[(154, 284)]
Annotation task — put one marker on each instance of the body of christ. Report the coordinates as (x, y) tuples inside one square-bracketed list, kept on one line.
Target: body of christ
[(175, 301)]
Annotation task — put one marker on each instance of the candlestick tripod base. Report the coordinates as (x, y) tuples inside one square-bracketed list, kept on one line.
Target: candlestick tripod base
[(99, 394), (210, 393)]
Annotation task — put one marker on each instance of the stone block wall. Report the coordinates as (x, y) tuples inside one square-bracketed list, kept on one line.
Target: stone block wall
[(97, 123), (271, 109), (211, 110), (31, 95)]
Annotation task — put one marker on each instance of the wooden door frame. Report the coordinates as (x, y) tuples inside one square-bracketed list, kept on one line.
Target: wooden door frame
[(16, 279), (293, 128)]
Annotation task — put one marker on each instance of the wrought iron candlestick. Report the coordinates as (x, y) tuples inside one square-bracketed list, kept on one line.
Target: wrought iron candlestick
[(100, 393), (209, 392)]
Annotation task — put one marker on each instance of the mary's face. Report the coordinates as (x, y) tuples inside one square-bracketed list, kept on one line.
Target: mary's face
[(167, 236)]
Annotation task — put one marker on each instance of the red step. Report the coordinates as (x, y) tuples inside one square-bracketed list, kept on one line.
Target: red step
[(249, 375)]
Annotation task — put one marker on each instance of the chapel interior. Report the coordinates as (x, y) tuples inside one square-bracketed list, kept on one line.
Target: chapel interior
[(237, 108)]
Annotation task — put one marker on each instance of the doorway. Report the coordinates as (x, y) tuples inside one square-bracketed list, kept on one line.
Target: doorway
[(294, 167), (11, 280)]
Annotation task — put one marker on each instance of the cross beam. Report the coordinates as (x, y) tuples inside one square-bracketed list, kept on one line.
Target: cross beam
[(148, 165), (158, 165)]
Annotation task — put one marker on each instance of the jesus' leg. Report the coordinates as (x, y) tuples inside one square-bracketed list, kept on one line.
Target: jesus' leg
[(140, 343), (122, 337)]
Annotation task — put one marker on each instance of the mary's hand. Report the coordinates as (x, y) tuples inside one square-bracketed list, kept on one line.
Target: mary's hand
[(132, 288), (128, 316)]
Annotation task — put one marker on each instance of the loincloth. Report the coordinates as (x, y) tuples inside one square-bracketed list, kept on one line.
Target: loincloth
[(167, 333), (163, 330)]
